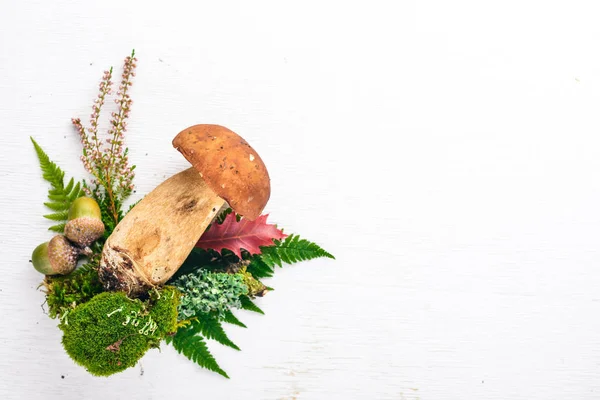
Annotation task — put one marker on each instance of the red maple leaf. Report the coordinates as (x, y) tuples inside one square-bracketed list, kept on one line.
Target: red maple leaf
[(235, 236)]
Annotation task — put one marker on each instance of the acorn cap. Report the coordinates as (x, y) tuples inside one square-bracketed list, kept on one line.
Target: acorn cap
[(57, 256), (228, 165), (84, 230), (62, 254)]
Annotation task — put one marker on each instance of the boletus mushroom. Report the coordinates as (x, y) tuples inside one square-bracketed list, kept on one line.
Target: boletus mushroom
[(152, 241)]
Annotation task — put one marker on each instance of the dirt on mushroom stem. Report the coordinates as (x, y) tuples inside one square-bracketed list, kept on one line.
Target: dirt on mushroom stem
[(154, 239), (157, 235)]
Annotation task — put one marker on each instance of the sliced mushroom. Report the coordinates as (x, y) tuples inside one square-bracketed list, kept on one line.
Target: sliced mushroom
[(149, 245)]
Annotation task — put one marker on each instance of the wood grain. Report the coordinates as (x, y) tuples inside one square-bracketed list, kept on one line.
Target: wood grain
[(445, 152)]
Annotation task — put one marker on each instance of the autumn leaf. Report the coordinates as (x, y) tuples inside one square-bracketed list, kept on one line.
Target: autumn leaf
[(237, 235)]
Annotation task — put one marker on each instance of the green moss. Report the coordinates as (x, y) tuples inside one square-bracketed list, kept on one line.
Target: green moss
[(164, 309), (111, 332), (64, 293)]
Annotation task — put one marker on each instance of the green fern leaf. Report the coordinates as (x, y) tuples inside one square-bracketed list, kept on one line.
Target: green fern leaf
[(259, 268), (291, 250), (59, 216), (57, 197), (210, 327), (74, 193), (60, 228), (232, 319), (247, 304), (50, 171), (188, 342), (57, 206), (61, 197), (69, 186)]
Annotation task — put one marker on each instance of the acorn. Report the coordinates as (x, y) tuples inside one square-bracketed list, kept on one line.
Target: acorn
[(56, 257), (85, 222)]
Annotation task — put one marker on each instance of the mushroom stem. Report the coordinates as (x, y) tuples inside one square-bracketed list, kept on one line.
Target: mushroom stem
[(155, 237)]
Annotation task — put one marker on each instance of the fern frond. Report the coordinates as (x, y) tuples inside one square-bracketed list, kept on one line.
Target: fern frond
[(258, 268), (57, 197), (210, 327), (61, 197), (69, 186), (232, 319), (291, 250), (57, 206), (74, 193), (58, 216), (50, 171), (60, 228), (247, 304), (188, 342)]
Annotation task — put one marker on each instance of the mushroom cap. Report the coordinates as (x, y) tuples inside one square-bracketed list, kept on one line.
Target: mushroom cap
[(229, 166)]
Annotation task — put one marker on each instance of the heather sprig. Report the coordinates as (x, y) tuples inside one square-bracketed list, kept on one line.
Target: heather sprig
[(122, 170), (107, 160)]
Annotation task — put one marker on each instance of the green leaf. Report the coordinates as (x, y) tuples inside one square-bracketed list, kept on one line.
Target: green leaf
[(59, 216), (291, 250), (259, 268), (247, 304), (57, 206), (232, 319), (60, 228), (57, 197), (50, 171), (75, 193), (69, 186), (61, 196), (210, 327), (188, 342)]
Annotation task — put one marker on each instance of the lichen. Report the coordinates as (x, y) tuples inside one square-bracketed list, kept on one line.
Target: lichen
[(206, 292), (111, 332), (255, 287)]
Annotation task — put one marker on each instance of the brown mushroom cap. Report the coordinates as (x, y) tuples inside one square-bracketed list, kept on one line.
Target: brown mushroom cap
[(229, 166)]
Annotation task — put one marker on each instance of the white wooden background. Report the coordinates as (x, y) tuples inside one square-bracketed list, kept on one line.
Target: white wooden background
[(446, 152)]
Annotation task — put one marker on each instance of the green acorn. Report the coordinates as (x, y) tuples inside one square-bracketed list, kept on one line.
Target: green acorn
[(85, 222), (56, 257)]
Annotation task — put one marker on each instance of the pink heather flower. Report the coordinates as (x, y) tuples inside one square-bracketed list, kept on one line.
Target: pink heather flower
[(105, 157)]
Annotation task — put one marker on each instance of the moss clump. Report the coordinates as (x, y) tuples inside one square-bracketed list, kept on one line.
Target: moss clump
[(111, 332), (163, 310), (64, 293)]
